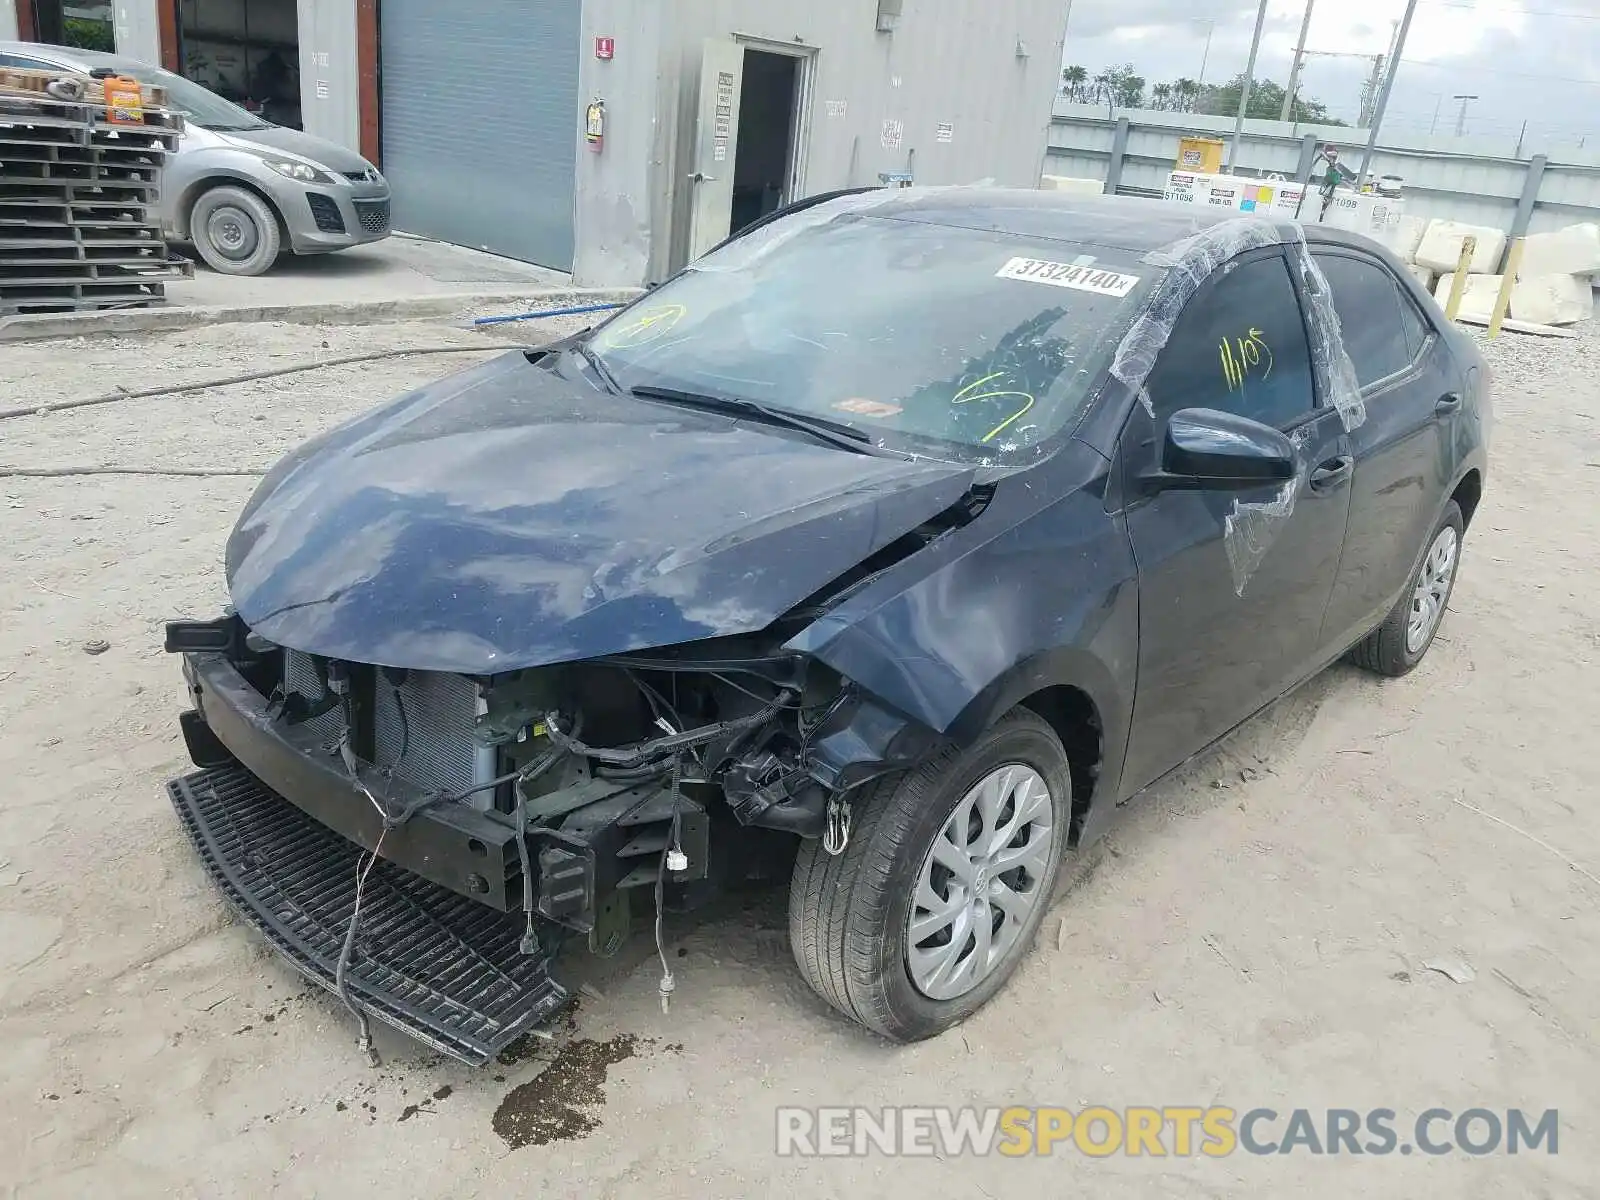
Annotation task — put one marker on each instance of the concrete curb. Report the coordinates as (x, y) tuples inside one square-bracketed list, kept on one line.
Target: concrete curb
[(29, 328)]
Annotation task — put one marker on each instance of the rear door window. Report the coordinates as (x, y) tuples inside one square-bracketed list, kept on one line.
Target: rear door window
[(1418, 329), (1239, 347), (1371, 316)]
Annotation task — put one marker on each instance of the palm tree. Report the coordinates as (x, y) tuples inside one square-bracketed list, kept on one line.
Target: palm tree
[(1185, 92), (1072, 81), (1161, 96)]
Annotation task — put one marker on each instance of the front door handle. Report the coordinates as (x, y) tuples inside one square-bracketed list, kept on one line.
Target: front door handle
[(1448, 403), (702, 177), (1332, 473)]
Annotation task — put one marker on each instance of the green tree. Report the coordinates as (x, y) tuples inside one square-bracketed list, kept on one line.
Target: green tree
[(87, 34), (1266, 102), (1119, 86), (1074, 81)]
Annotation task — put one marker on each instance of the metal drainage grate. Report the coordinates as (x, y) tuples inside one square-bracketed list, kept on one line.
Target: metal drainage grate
[(437, 966)]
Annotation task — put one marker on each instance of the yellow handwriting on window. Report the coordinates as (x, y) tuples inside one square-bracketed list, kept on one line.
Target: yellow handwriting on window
[(970, 393), (1242, 357)]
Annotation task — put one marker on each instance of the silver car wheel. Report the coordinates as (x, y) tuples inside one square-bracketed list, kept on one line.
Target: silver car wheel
[(233, 233), (979, 882), (1432, 590)]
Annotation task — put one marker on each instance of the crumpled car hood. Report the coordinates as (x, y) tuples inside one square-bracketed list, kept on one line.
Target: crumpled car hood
[(504, 518)]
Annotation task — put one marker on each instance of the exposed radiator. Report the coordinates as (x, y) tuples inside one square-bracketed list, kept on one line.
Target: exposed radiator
[(300, 675), (431, 723), (421, 730)]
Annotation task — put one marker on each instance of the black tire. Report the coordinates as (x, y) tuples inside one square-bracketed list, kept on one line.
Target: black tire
[(235, 231), (849, 914), (1385, 650)]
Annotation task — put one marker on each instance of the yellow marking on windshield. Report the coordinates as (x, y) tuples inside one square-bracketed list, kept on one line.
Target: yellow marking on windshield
[(1000, 428), (963, 397), (648, 325)]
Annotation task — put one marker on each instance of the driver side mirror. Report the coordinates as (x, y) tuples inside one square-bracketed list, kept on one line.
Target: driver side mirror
[(1206, 450)]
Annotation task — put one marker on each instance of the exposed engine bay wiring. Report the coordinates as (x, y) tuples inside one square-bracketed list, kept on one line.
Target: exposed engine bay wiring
[(679, 753), (655, 749)]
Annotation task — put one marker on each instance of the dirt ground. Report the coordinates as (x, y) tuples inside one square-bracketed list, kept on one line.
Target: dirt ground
[(1252, 934)]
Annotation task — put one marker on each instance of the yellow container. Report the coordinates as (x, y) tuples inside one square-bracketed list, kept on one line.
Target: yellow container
[(1200, 154)]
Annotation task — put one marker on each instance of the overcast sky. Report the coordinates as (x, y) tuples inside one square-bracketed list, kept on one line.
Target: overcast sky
[(1533, 60)]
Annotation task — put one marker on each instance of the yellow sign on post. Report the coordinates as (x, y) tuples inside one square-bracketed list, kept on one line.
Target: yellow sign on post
[(1203, 155)]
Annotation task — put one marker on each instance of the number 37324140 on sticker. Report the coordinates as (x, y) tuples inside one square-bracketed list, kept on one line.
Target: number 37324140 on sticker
[(1069, 275)]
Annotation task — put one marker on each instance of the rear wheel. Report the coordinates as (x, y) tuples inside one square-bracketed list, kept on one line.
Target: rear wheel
[(235, 231), (1398, 645), (942, 885)]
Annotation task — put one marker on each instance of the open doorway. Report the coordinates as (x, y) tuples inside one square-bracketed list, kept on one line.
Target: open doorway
[(247, 51), (764, 156)]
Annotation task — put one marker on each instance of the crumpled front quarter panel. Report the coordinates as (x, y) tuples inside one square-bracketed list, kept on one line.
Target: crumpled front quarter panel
[(1050, 599)]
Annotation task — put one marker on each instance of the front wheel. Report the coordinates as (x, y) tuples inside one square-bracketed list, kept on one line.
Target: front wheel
[(1397, 646), (942, 885), (235, 231)]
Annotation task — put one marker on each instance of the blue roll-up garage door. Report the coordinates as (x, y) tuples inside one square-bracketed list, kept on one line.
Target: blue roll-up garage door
[(480, 121)]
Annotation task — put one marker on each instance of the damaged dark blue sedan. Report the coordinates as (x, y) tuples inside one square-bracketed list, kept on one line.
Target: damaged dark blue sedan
[(891, 546)]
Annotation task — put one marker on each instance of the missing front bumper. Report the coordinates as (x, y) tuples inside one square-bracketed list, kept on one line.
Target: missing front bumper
[(441, 968)]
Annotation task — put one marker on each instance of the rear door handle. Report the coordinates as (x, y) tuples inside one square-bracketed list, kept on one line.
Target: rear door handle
[(1332, 473), (1448, 403)]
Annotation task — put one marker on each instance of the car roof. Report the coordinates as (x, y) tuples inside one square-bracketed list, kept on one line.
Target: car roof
[(70, 55), (1128, 223)]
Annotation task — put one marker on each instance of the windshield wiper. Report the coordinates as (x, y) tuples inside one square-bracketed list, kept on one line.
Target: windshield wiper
[(835, 433), (584, 351)]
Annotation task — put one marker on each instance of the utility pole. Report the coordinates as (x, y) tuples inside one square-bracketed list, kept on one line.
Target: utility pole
[(1369, 90), (1205, 57), (1249, 79), (1461, 120), (1294, 69), (1437, 109), (1388, 87)]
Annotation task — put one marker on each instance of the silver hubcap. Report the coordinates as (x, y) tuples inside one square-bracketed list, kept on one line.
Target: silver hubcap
[(1433, 589), (979, 883), (233, 232)]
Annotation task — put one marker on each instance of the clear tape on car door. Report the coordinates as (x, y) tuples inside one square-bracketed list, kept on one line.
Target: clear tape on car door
[(1250, 529)]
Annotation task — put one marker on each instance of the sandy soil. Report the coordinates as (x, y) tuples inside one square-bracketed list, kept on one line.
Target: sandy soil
[(1252, 934)]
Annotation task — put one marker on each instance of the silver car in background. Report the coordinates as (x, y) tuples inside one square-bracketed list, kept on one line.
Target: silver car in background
[(241, 190)]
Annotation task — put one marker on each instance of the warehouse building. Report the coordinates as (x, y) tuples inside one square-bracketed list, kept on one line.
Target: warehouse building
[(616, 139)]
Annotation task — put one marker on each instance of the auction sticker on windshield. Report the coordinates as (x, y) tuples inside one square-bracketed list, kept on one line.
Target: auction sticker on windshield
[(1068, 275)]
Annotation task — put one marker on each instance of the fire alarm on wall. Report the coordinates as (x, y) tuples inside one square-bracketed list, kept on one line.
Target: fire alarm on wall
[(605, 47)]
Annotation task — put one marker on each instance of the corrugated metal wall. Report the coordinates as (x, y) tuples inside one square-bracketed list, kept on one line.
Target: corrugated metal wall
[(986, 68), (1475, 180), (480, 122)]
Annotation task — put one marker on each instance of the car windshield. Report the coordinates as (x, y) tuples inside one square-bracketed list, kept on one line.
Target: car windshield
[(204, 108), (953, 342)]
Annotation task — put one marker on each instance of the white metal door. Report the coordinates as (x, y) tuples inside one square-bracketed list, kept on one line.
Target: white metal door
[(717, 137)]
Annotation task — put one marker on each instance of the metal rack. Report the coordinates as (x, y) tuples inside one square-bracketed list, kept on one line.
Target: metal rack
[(80, 224)]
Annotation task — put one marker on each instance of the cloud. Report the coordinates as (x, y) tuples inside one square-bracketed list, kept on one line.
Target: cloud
[(1536, 66)]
